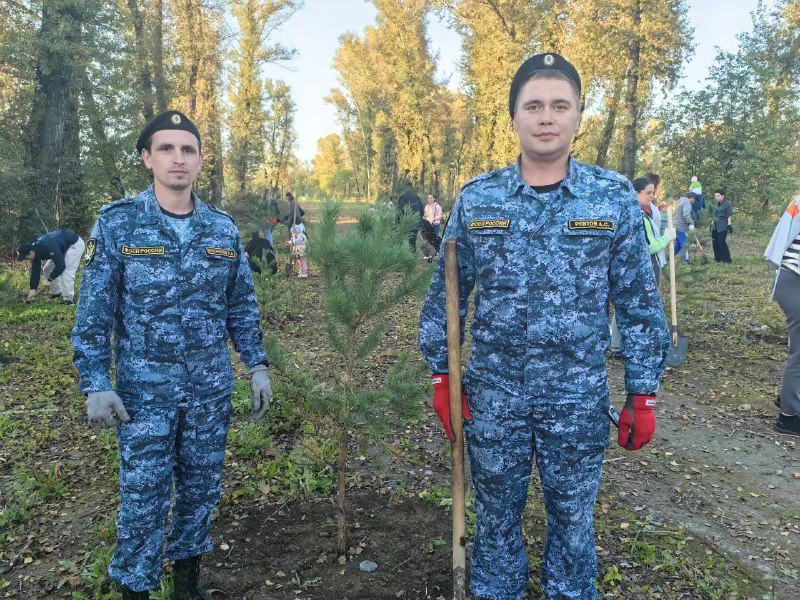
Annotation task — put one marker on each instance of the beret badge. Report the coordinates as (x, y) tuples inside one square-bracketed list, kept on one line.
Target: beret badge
[(171, 119)]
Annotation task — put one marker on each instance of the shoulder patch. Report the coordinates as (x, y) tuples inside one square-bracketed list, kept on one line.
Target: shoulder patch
[(88, 255)]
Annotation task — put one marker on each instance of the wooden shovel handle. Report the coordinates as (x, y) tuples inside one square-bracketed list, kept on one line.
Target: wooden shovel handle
[(673, 298), (456, 417)]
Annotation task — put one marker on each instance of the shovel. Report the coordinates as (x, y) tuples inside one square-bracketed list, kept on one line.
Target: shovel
[(456, 419), (703, 256), (680, 344)]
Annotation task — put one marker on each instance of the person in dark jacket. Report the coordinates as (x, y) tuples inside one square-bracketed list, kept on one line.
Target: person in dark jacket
[(698, 206), (295, 216), (256, 248), (721, 226), (410, 201), (61, 252)]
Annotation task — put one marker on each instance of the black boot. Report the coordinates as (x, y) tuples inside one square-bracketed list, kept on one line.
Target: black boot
[(129, 594), (186, 575)]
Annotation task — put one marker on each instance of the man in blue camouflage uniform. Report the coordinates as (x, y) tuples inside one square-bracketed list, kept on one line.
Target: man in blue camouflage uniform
[(167, 275), (547, 242)]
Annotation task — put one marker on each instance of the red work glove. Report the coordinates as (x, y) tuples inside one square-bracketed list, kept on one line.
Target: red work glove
[(637, 421), (441, 403)]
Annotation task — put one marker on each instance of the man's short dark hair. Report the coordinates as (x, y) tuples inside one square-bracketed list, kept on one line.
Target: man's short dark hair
[(556, 74), (720, 191), (23, 249)]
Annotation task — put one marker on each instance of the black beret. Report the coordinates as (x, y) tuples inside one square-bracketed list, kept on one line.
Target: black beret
[(23, 249), (540, 62), (171, 119)]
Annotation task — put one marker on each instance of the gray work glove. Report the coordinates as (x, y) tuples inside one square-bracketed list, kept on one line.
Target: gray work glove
[(105, 409), (262, 391)]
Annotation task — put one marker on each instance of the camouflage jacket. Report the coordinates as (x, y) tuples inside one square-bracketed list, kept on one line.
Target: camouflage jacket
[(170, 309), (545, 269)]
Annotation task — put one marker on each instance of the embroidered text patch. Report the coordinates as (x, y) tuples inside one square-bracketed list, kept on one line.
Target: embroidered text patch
[(143, 250), (591, 225), (490, 224), (225, 252)]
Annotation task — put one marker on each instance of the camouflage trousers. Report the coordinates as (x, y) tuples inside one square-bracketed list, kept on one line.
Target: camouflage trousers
[(567, 439), (167, 452)]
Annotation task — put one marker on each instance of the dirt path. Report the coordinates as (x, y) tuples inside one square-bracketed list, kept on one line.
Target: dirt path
[(718, 470)]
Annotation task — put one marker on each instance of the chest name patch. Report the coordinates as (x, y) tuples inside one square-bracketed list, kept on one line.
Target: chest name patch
[(591, 225), (225, 252), (143, 250), (490, 224)]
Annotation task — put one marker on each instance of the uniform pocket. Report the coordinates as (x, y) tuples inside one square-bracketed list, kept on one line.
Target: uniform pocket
[(497, 258), (582, 424), (588, 243), (587, 256), (150, 279)]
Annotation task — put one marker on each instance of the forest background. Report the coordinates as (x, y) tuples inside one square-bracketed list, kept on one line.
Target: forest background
[(78, 78)]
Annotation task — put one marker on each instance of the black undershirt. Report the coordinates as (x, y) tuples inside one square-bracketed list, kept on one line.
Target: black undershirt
[(174, 216), (546, 189)]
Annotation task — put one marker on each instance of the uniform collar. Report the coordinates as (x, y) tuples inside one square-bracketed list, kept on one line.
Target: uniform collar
[(571, 180), (153, 214)]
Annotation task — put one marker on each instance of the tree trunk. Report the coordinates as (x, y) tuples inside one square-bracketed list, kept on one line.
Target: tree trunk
[(145, 83), (158, 56), (629, 149), (488, 158), (241, 164), (366, 148), (434, 187), (214, 165), (71, 208), (55, 73), (352, 165), (342, 537), (610, 125), (191, 85)]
